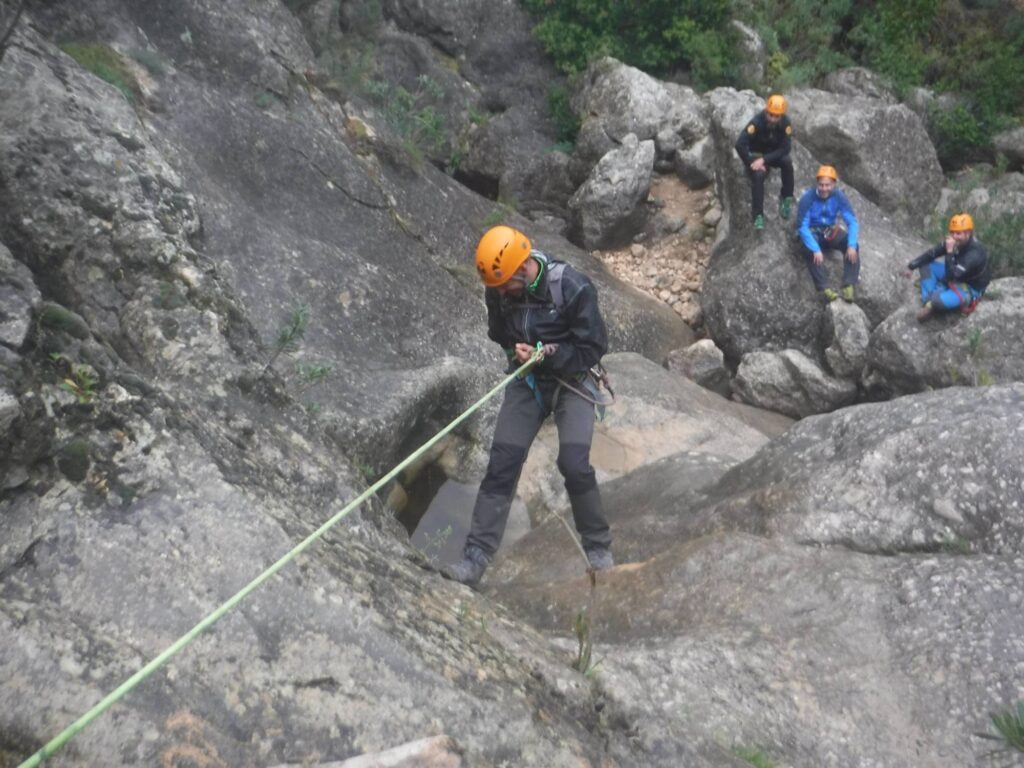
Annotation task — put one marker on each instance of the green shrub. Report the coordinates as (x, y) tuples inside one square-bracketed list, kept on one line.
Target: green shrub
[(658, 36), (804, 38), (960, 136), (567, 124), (1003, 237), (412, 116), (107, 64), (891, 39)]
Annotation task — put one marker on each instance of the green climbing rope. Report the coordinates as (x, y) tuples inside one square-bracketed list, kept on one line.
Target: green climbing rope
[(68, 733)]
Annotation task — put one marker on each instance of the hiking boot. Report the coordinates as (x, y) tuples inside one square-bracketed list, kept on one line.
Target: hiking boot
[(600, 559), (926, 311), (785, 207), (848, 293), (759, 221), (829, 294), (470, 569)]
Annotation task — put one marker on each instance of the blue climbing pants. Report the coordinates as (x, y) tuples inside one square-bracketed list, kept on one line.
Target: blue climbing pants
[(935, 289)]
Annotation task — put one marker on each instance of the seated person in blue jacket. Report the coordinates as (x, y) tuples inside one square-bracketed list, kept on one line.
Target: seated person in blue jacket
[(955, 273), (826, 221)]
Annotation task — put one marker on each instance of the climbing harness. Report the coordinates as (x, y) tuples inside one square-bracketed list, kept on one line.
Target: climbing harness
[(828, 234), (966, 307), (110, 699), (595, 387)]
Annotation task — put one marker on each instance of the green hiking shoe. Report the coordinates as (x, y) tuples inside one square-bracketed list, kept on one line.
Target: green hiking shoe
[(759, 221), (829, 294), (848, 293), (785, 207)]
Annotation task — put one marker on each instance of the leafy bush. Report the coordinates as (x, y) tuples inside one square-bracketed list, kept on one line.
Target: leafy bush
[(890, 38), (1003, 237), (567, 124), (416, 121), (803, 37), (959, 135), (657, 36)]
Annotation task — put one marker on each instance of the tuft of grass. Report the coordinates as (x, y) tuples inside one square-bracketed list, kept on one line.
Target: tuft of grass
[(288, 335), (1009, 729), (435, 543), (412, 115), (584, 662), (107, 64), (753, 755), (955, 544)]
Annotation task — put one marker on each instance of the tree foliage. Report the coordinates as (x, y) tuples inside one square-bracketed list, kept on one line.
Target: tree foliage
[(658, 36)]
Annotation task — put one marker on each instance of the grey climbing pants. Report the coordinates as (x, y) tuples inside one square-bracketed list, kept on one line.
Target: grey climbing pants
[(519, 419)]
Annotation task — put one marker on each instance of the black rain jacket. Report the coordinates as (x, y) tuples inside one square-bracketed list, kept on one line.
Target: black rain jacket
[(772, 142), (964, 265), (577, 328)]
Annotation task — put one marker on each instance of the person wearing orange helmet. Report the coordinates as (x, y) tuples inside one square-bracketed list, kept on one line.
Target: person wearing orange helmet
[(765, 143), (826, 222), (532, 299), (955, 273)]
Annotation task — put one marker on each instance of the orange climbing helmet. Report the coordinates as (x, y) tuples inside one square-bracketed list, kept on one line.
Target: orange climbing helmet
[(776, 104), (961, 222), (828, 172), (500, 252)]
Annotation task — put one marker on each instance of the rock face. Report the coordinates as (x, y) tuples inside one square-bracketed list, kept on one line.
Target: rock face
[(153, 252), (824, 569), (951, 349), (609, 207), (187, 250), (879, 147)]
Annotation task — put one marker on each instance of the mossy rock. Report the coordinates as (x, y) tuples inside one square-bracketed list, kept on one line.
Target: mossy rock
[(107, 64), (58, 318), (73, 460)]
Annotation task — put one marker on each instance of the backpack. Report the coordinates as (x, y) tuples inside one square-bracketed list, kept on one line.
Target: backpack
[(596, 382)]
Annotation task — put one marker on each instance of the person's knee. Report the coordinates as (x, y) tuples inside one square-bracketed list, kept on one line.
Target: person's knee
[(574, 464), (503, 469)]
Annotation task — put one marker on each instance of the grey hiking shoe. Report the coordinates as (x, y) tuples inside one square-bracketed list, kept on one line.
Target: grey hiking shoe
[(470, 569), (600, 559)]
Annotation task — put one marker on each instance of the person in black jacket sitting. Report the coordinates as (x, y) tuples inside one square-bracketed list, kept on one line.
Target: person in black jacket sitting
[(765, 143), (955, 273), (532, 299)]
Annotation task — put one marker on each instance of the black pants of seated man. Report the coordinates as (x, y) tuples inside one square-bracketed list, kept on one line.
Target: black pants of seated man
[(757, 179), (519, 420)]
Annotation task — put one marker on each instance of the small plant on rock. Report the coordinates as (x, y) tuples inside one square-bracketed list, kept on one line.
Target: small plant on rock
[(584, 663), (288, 335), (81, 380), (305, 374), (753, 755), (107, 64), (1009, 729), (976, 351)]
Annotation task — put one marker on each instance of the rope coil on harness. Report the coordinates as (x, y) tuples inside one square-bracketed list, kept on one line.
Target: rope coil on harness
[(111, 698)]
